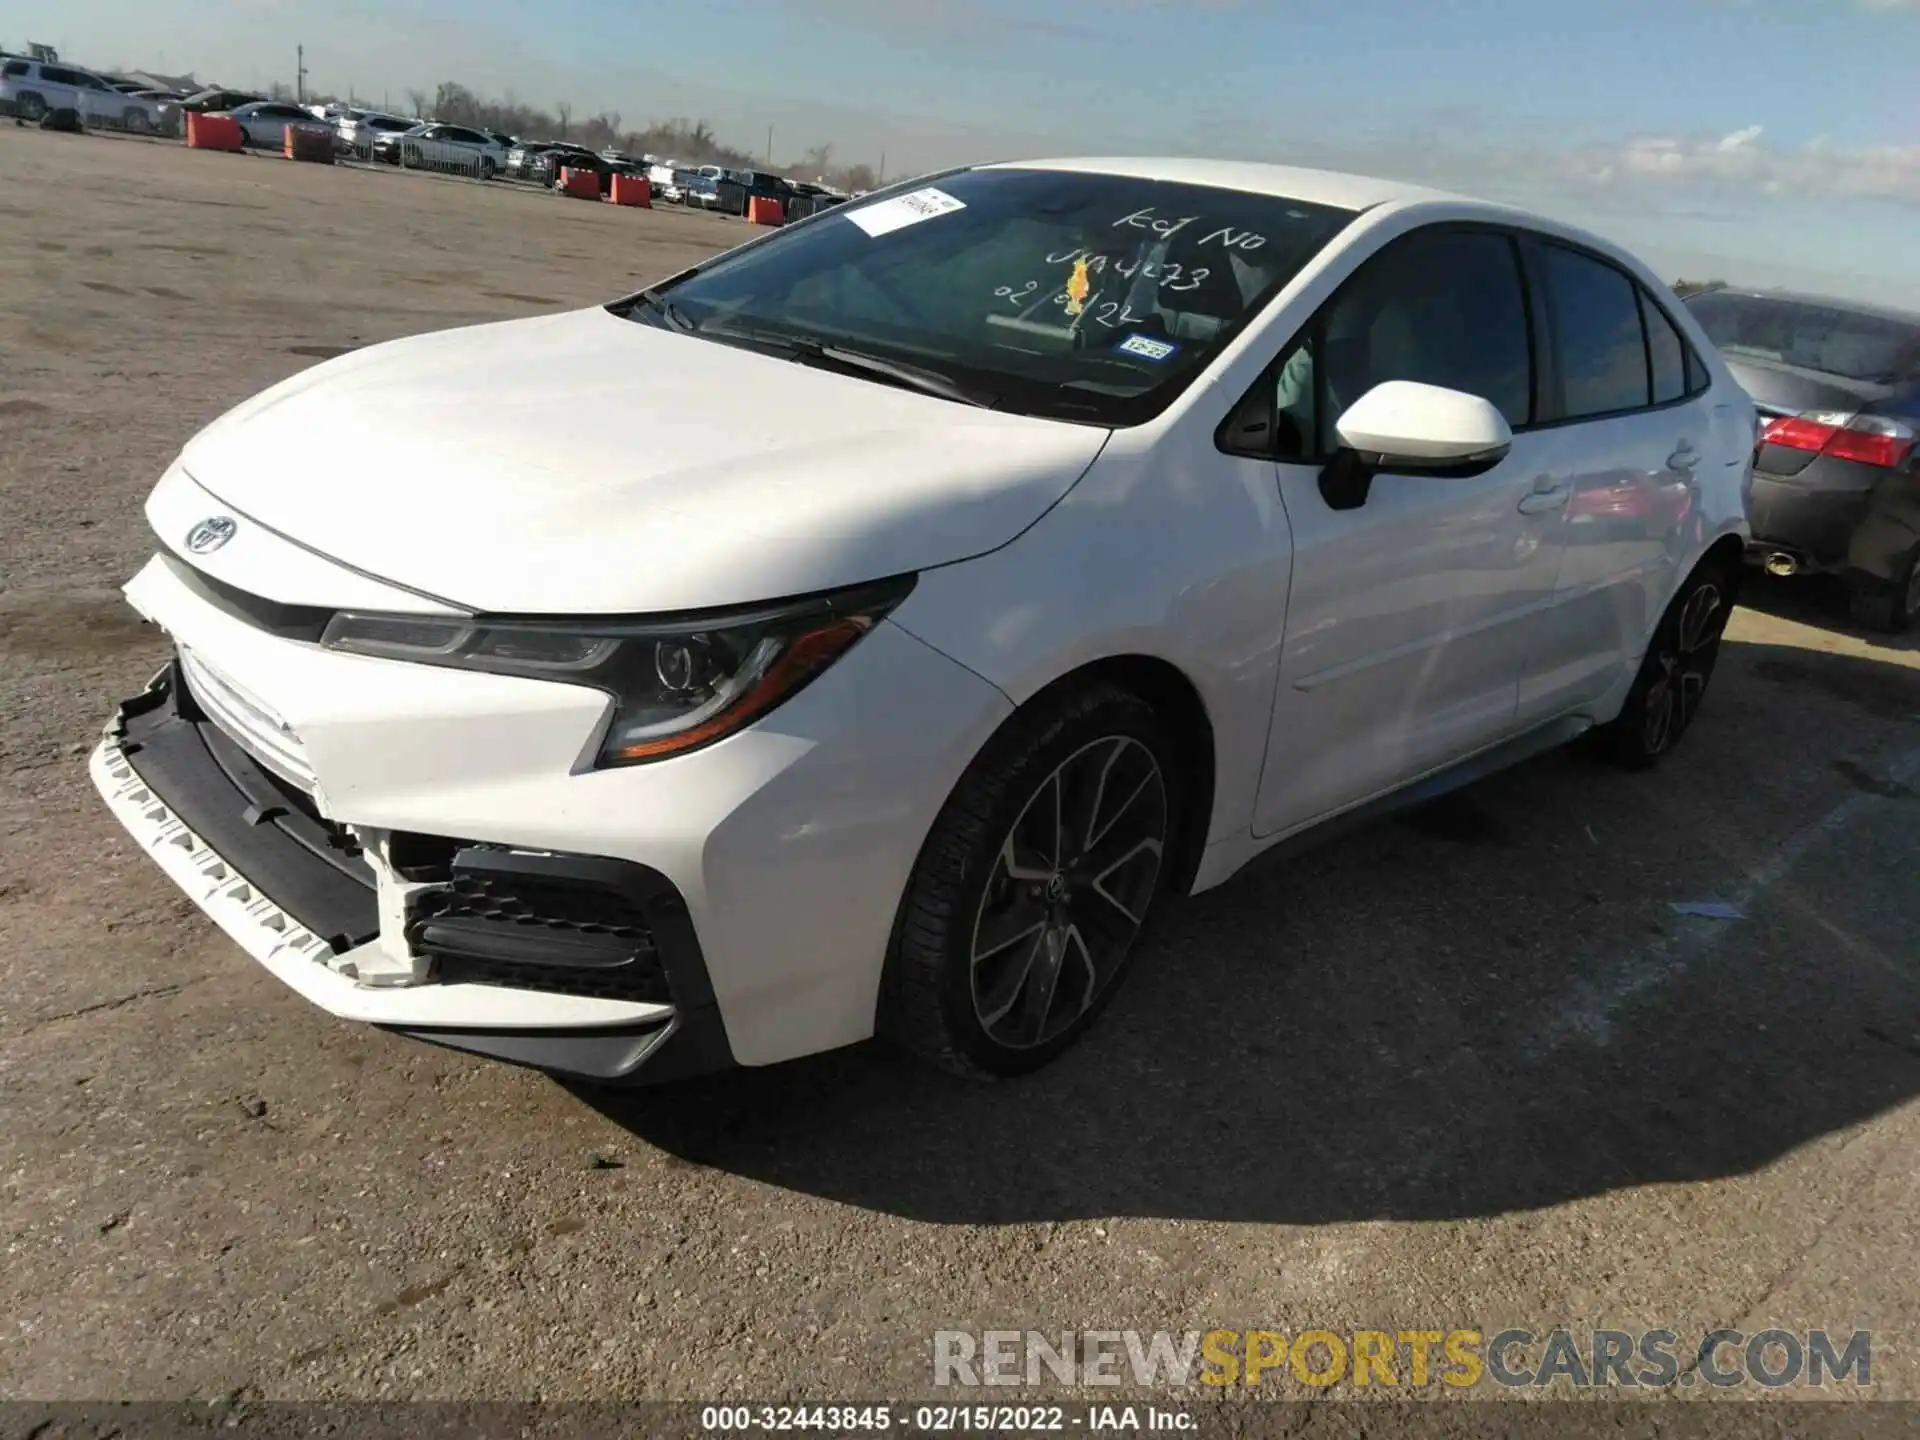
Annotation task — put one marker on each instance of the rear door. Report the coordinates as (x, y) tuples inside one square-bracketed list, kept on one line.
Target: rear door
[(1634, 432)]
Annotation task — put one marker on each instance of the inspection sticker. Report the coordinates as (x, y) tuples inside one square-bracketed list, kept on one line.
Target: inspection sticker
[(904, 210), (1146, 347)]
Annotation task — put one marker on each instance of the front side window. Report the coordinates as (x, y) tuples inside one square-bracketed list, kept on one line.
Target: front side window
[(1082, 296), (1441, 307), (1596, 326)]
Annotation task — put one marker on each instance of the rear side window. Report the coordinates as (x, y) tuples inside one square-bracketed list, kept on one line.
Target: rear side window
[(1596, 323), (1443, 308), (1666, 353), (16, 67)]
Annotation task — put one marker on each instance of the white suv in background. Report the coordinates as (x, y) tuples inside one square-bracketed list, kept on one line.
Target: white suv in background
[(30, 88), (1009, 552)]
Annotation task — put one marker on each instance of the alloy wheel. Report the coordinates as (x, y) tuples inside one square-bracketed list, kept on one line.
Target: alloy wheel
[(1683, 660), (1069, 888)]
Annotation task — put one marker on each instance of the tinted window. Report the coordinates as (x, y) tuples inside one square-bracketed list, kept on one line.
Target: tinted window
[(1697, 377), (1666, 351), (1440, 308), (1596, 319), (16, 67), (1087, 296), (1808, 334)]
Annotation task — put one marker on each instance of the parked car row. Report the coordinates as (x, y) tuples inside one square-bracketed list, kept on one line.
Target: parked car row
[(30, 89)]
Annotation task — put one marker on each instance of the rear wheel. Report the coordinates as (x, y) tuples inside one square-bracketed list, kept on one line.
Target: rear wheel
[(1021, 913), (1890, 608), (1673, 677), (31, 108)]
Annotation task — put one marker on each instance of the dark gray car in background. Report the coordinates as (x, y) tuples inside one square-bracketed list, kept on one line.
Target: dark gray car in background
[(1836, 482)]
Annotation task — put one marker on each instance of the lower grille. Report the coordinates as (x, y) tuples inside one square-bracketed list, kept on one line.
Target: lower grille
[(530, 921)]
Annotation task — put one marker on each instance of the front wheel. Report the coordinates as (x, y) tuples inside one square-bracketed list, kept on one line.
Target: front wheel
[(1673, 677), (1021, 913), (137, 121), (486, 168)]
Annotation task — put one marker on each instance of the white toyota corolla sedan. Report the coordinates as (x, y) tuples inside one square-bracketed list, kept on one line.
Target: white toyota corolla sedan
[(943, 584)]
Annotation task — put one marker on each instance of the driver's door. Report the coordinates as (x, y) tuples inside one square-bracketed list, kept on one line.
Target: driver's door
[(1408, 610)]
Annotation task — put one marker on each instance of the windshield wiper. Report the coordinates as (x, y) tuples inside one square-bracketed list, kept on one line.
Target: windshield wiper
[(665, 308), (824, 353), (927, 382)]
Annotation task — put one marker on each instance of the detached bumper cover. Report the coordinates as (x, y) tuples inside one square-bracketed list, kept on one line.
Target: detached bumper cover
[(297, 894)]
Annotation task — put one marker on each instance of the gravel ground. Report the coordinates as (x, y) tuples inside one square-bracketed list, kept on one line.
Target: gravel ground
[(1466, 1069)]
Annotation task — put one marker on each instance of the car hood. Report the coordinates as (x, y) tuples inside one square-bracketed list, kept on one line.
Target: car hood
[(585, 464)]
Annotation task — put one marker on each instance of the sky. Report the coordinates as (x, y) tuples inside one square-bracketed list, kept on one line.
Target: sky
[(1768, 142)]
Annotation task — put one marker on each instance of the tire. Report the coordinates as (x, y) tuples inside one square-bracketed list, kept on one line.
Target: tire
[(1006, 949), (487, 168), (136, 120), (30, 108), (1666, 694), (1889, 608)]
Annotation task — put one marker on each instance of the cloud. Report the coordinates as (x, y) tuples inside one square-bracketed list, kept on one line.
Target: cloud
[(1738, 169), (979, 20), (1743, 163)]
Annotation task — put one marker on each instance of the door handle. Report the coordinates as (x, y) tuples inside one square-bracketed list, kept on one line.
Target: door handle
[(1684, 457), (1543, 498)]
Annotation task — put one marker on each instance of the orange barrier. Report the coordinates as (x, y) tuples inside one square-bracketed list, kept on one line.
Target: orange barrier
[(214, 132), (765, 210), (632, 190), (310, 143), (581, 184)]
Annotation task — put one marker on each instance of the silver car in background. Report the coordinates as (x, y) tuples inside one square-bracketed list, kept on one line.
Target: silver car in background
[(29, 89), (356, 130)]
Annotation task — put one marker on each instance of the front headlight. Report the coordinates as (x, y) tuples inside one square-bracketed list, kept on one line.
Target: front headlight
[(677, 684)]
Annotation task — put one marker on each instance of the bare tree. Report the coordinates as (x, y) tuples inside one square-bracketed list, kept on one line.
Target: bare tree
[(418, 99), (565, 111)]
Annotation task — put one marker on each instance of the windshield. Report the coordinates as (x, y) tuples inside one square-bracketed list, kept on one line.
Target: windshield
[(1086, 297), (1848, 343)]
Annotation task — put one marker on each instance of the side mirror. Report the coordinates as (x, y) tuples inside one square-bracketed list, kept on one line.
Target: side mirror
[(1405, 427)]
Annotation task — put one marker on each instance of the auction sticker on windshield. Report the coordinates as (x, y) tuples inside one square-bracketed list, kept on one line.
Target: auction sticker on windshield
[(904, 210)]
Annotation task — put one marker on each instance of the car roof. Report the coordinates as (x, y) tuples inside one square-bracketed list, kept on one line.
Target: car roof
[(1830, 302), (1290, 182)]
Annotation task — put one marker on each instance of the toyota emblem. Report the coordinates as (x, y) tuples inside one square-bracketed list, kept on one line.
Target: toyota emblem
[(210, 534)]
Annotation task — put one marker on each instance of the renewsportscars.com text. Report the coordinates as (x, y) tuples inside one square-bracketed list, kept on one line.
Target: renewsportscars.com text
[(1512, 1358)]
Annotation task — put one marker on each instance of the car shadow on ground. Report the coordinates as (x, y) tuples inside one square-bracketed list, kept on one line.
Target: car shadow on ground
[(1483, 1006), (1818, 600)]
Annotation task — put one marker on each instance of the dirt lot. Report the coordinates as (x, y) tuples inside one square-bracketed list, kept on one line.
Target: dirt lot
[(1464, 1069)]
